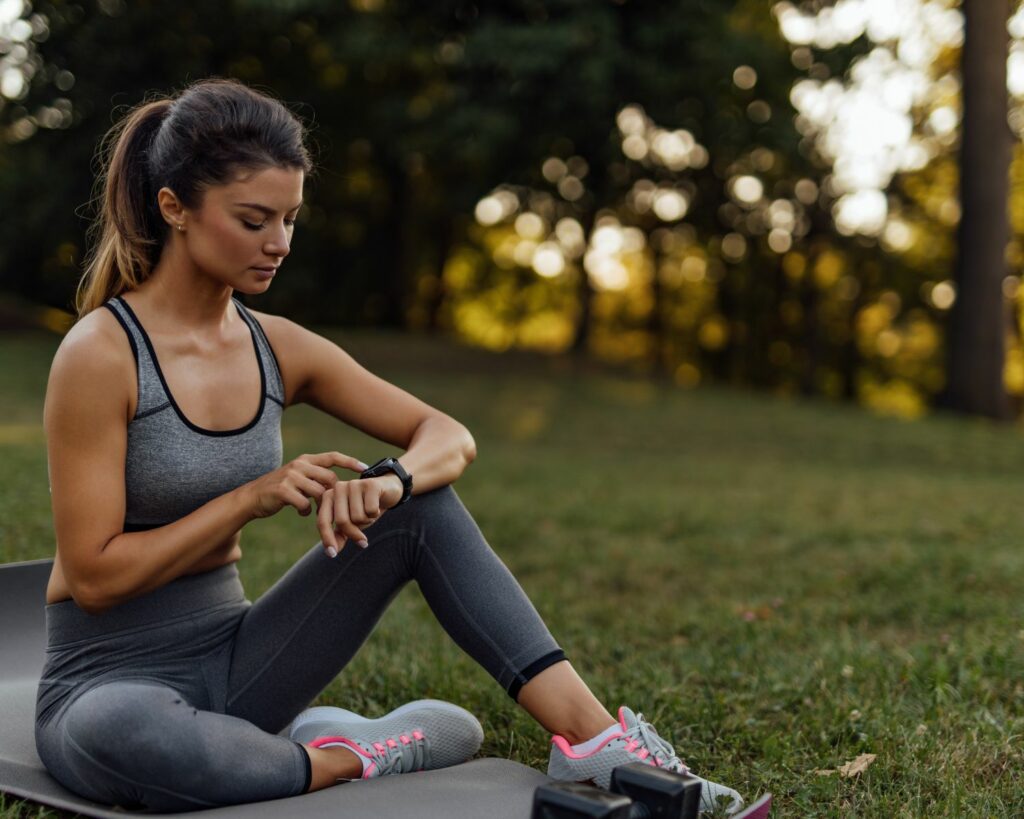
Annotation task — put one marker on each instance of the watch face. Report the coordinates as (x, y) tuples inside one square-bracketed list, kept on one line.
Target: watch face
[(383, 467), (378, 468)]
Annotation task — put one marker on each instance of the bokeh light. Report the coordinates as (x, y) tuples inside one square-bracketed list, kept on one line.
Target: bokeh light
[(864, 124), (744, 77)]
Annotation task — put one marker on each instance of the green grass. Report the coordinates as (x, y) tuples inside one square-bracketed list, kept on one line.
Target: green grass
[(780, 587)]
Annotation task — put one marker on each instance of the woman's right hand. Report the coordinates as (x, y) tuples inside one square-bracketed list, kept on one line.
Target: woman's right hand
[(297, 483)]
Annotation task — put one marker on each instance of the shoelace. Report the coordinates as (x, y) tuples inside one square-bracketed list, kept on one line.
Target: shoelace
[(405, 755), (646, 735)]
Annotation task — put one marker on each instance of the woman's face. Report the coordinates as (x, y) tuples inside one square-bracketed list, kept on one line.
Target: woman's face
[(243, 229)]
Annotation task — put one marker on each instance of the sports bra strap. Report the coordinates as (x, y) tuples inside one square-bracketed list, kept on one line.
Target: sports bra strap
[(152, 396)]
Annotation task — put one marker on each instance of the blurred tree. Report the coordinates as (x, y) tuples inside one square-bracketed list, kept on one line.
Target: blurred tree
[(659, 208), (979, 318)]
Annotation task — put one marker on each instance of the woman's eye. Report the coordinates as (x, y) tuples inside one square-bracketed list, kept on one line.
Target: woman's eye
[(288, 222)]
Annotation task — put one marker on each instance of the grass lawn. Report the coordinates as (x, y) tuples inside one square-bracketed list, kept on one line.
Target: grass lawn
[(780, 587)]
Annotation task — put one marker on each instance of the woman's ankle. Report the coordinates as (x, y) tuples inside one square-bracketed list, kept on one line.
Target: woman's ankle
[(584, 731), (332, 764), (563, 704)]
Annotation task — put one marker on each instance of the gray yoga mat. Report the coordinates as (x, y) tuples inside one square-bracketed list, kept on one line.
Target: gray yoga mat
[(491, 788)]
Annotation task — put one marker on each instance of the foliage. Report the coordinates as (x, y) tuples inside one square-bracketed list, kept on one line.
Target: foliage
[(420, 112)]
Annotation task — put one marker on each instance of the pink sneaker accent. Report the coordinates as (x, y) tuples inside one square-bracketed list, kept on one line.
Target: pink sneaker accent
[(563, 745), (566, 748), (321, 742)]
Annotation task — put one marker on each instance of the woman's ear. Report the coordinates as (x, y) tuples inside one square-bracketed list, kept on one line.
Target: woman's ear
[(171, 208)]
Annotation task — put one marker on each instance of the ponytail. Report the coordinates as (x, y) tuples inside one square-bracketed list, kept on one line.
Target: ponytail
[(127, 235), (189, 143)]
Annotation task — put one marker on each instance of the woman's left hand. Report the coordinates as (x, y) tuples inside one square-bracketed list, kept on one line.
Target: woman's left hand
[(351, 506)]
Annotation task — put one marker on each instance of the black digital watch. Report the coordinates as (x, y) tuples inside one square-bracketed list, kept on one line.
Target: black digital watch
[(385, 465)]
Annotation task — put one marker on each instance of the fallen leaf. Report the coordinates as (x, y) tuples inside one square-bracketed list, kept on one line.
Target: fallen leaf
[(852, 768), (857, 766)]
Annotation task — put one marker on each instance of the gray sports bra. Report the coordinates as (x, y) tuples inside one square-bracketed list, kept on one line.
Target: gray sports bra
[(173, 466)]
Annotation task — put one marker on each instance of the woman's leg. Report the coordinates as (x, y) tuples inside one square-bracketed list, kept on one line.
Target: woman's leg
[(563, 704), (140, 743), (299, 635)]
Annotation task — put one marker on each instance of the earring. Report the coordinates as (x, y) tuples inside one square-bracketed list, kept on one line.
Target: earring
[(181, 227)]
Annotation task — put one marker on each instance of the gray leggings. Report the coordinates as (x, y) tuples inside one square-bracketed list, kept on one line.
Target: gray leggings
[(173, 701)]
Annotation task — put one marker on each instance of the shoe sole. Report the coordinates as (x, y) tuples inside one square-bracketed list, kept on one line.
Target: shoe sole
[(331, 715), (759, 810)]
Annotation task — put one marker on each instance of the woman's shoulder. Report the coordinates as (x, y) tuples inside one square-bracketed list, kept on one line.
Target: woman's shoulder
[(283, 334), (95, 353), (96, 334), (289, 338), (269, 320)]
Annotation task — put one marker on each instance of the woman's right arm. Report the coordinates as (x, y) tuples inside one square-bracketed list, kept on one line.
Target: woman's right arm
[(86, 421)]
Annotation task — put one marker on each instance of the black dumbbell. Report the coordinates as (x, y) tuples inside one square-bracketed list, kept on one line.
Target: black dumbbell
[(638, 791)]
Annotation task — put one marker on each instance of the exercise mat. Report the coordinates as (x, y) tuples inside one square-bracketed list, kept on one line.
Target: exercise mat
[(492, 788)]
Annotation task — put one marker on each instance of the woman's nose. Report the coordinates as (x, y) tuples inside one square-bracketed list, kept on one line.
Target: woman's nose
[(278, 242)]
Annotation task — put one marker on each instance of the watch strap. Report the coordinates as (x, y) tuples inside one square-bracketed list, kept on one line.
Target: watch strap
[(392, 465)]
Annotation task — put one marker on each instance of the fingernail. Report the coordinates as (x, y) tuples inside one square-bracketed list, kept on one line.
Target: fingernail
[(363, 543), (363, 466), (332, 552)]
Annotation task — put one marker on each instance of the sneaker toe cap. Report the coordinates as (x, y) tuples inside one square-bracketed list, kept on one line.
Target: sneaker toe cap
[(715, 797)]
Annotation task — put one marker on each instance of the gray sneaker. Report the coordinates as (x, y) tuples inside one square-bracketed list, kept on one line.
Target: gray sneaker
[(418, 736), (638, 741)]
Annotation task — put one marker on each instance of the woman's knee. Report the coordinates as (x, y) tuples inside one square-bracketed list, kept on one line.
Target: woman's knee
[(441, 505), (125, 738), (126, 727)]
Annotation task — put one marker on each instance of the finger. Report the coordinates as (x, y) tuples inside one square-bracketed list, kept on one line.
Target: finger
[(328, 459), (321, 474), (295, 498), (297, 476), (309, 487), (371, 501), (325, 523), (342, 522), (356, 512)]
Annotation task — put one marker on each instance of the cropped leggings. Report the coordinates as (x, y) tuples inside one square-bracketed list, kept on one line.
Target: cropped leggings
[(173, 701)]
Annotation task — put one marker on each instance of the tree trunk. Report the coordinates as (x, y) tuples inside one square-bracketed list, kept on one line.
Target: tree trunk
[(810, 297), (656, 324), (585, 290), (977, 330), (444, 237), (392, 251)]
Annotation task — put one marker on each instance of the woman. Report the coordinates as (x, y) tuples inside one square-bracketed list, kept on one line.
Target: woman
[(164, 687)]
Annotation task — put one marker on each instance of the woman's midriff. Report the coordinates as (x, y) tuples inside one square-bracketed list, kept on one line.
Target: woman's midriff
[(229, 551)]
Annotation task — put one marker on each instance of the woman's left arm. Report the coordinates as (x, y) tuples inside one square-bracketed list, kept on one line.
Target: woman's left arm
[(316, 371), (440, 450)]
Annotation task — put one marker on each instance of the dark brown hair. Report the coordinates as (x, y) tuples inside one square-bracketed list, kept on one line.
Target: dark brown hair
[(204, 136)]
